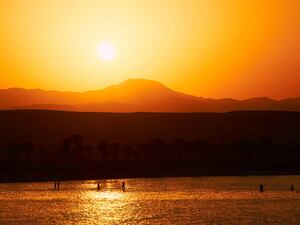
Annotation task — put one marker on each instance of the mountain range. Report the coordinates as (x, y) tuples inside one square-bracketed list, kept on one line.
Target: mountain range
[(134, 95)]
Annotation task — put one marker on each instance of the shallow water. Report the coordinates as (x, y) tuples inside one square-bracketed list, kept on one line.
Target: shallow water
[(205, 200)]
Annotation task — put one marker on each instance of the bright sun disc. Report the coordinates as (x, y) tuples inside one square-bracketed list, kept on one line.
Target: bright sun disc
[(106, 51)]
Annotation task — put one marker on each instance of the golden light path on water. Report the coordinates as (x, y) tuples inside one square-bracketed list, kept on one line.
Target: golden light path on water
[(205, 200)]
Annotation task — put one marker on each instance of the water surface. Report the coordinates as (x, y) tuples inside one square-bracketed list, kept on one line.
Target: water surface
[(204, 200)]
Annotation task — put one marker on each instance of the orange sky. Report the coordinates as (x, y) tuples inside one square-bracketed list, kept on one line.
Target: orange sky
[(209, 48)]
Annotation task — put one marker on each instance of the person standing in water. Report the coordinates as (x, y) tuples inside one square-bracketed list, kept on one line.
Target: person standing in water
[(98, 185), (123, 186)]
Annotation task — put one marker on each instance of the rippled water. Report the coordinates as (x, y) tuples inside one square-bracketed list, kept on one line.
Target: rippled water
[(205, 200)]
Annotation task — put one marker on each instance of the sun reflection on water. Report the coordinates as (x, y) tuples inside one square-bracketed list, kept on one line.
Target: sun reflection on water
[(107, 195), (109, 205)]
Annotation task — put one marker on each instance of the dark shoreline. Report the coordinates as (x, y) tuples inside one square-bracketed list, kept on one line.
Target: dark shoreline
[(55, 145), (96, 175)]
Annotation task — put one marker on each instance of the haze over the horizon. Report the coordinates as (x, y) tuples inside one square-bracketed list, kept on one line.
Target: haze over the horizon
[(217, 49)]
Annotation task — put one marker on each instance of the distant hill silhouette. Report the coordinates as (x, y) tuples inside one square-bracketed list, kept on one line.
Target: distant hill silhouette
[(134, 95)]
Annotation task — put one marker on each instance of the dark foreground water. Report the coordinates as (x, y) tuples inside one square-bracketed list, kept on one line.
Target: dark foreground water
[(206, 200)]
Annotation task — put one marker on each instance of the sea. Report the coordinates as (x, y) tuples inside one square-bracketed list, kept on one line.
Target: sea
[(184, 200)]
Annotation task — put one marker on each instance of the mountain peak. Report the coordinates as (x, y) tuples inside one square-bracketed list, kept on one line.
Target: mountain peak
[(139, 91), (141, 84)]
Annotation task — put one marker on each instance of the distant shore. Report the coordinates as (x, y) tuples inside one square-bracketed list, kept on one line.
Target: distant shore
[(52, 145), (134, 172)]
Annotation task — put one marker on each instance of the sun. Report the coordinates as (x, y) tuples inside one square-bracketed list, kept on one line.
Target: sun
[(106, 51)]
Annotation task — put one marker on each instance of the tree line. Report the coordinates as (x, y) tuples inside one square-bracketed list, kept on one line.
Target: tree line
[(73, 149)]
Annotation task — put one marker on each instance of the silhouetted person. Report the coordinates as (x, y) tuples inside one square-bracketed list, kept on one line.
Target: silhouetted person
[(261, 188), (58, 183), (123, 186), (292, 188), (54, 185), (98, 185)]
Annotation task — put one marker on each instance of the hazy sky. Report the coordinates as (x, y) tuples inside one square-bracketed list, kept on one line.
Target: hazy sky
[(209, 48)]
